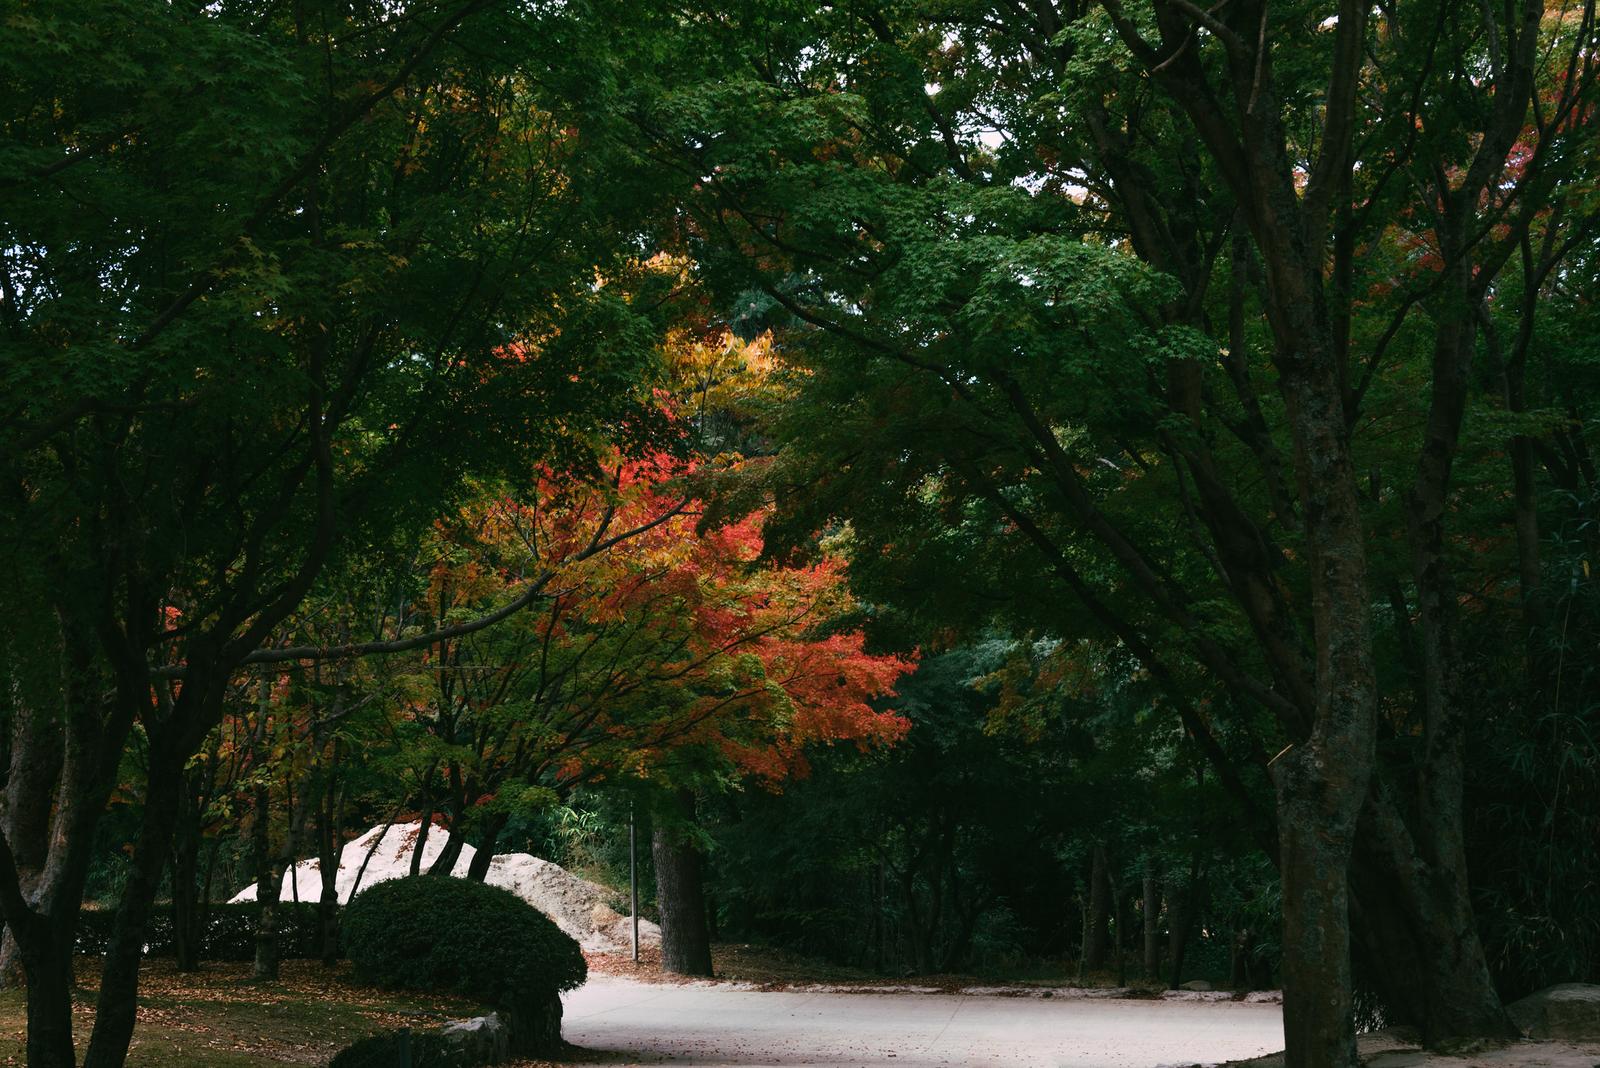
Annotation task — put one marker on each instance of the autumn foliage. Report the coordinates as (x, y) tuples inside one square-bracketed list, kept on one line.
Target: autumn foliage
[(678, 648)]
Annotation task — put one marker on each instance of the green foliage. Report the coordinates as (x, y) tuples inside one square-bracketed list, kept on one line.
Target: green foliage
[(456, 936), (229, 933), (965, 847)]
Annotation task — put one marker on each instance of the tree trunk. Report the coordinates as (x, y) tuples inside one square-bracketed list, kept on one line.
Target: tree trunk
[(72, 770), (1418, 935), (1183, 900), (1097, 931), (680, 899), (1317, 1000), (445, 862), (1152, 924), (46, 955), (117, 1004), (535, 1027), (187, 930), (422, 839), (478, 870), (330, 855), (269, 890)]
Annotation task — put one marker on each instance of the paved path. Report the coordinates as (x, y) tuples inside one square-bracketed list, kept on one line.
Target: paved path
[(718, 1025)]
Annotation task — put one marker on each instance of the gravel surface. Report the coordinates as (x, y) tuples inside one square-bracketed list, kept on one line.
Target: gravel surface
[(629, 1022)]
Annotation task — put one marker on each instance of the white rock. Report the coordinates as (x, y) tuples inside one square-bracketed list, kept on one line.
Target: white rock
[(1568, 1011), (577, 905)]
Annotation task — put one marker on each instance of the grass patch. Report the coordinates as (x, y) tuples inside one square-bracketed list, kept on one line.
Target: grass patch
[(219, 1018)]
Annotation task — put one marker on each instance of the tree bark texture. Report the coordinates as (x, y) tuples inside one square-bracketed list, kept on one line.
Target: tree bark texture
[(680, 899)]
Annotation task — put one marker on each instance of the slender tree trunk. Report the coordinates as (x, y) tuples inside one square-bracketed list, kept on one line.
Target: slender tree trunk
[(478, 870), (450, 855), (117, 1004), (1183, 904), (422, 838), (186, 923), (1152, 922), (680, 899), (1097, 945), (269, 890), (330, 854)]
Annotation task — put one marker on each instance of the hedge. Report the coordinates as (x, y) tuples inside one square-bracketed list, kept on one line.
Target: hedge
[(455, 936), (230, 931)]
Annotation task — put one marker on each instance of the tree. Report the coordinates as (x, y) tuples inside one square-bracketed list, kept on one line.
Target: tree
[(679, 657), (245, 342), (1136, 293)]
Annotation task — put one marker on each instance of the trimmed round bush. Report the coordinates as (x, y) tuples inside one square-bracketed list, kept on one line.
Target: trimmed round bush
[(443, 935), (384, 1051)]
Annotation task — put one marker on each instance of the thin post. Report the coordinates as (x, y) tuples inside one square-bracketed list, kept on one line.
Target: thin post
[(633, 879)]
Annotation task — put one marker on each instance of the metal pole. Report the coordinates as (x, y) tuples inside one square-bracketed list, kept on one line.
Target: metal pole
[(633, 879)]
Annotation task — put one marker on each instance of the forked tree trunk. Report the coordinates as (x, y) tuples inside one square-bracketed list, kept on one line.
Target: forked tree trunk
[(680, 899), (75, 765)]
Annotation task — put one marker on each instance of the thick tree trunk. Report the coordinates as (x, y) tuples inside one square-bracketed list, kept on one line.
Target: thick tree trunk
[(46, 955), (1152, 922), (1097, 945), (1317, 999), (535, 1027), (680, 899)]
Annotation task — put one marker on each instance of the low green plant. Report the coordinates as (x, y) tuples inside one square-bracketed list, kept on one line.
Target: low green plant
[(443, 935)]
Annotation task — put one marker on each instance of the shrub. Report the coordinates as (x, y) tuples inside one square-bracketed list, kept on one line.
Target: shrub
[(386, 1051), (229, 935), (454, 936)]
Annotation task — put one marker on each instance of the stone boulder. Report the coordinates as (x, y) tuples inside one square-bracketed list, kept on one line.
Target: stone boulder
[(578, 906), (481, 1040), (1568, 1011)]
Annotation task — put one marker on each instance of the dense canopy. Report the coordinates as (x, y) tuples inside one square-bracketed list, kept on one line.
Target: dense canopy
[(935, 465)]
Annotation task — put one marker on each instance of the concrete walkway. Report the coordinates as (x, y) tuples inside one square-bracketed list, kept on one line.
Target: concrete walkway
[(646, 1023)]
